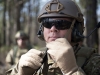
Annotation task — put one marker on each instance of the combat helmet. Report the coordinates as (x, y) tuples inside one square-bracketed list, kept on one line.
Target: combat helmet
[(21, 34), (63, 9)]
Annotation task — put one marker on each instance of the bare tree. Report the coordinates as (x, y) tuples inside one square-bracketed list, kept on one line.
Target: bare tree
[(90, 7), (4, 23), (91, 22)]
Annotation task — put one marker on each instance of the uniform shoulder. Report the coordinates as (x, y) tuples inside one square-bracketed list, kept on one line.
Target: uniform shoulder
[(86, 51), (92, 66)]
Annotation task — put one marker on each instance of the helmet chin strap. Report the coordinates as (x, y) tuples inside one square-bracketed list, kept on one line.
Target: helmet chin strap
[(69, 31), (72, 25)]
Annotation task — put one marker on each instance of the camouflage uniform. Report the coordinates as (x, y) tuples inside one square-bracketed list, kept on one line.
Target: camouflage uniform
[(87, 59), (14, 54)]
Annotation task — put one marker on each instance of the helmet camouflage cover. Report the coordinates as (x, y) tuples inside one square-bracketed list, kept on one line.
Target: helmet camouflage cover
[(21, 34)]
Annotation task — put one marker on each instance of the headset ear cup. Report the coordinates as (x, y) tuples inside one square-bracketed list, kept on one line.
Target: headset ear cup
[(74, 37), (76, 32), (40, 33)]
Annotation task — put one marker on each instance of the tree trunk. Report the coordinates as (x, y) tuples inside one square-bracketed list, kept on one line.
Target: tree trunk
[(91, 22), (4, 23), (29, 19), (10, 23)]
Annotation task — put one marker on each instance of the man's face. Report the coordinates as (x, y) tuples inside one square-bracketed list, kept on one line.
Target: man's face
[(52, 33), (22, 42)]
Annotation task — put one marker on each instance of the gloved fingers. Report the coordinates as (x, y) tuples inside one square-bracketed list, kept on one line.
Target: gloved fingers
[(56, 55), (34, 51), (30, 62), (52, 52), (59, 51), (34, 56), (23, 61), (52, 44), (33, 63), (58, 43), (62, 40)]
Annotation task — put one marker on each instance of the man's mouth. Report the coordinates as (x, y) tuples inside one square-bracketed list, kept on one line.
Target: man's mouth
[(53, 38)]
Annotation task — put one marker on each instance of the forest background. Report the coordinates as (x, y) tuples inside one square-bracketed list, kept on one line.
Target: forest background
[(18, 15)]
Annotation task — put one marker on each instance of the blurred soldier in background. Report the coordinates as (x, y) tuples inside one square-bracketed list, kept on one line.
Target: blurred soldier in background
[(23, 45)]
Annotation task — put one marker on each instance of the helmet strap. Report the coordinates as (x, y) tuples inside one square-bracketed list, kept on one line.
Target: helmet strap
[(72, 25)]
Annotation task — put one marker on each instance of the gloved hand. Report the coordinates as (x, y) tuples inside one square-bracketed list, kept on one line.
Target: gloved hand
[(62, 53), (29, 62)]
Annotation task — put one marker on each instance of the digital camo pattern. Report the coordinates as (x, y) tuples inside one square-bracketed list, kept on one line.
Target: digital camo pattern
[(93, 65)]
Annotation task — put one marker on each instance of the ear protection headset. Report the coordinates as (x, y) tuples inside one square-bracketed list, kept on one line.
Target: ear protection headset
[(77, 32), (40, 32)]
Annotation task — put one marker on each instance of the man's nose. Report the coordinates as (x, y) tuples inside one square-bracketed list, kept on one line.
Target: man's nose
[(53, 29)]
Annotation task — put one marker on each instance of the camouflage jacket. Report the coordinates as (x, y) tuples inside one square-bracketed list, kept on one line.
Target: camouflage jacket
[(87, 59), (15, 53)]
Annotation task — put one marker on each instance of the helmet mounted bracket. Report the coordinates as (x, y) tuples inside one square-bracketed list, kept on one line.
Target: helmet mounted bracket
[(59, 6)]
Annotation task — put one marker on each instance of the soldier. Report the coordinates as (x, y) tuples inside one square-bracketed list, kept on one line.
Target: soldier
[(62, 26), (22, 47)]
